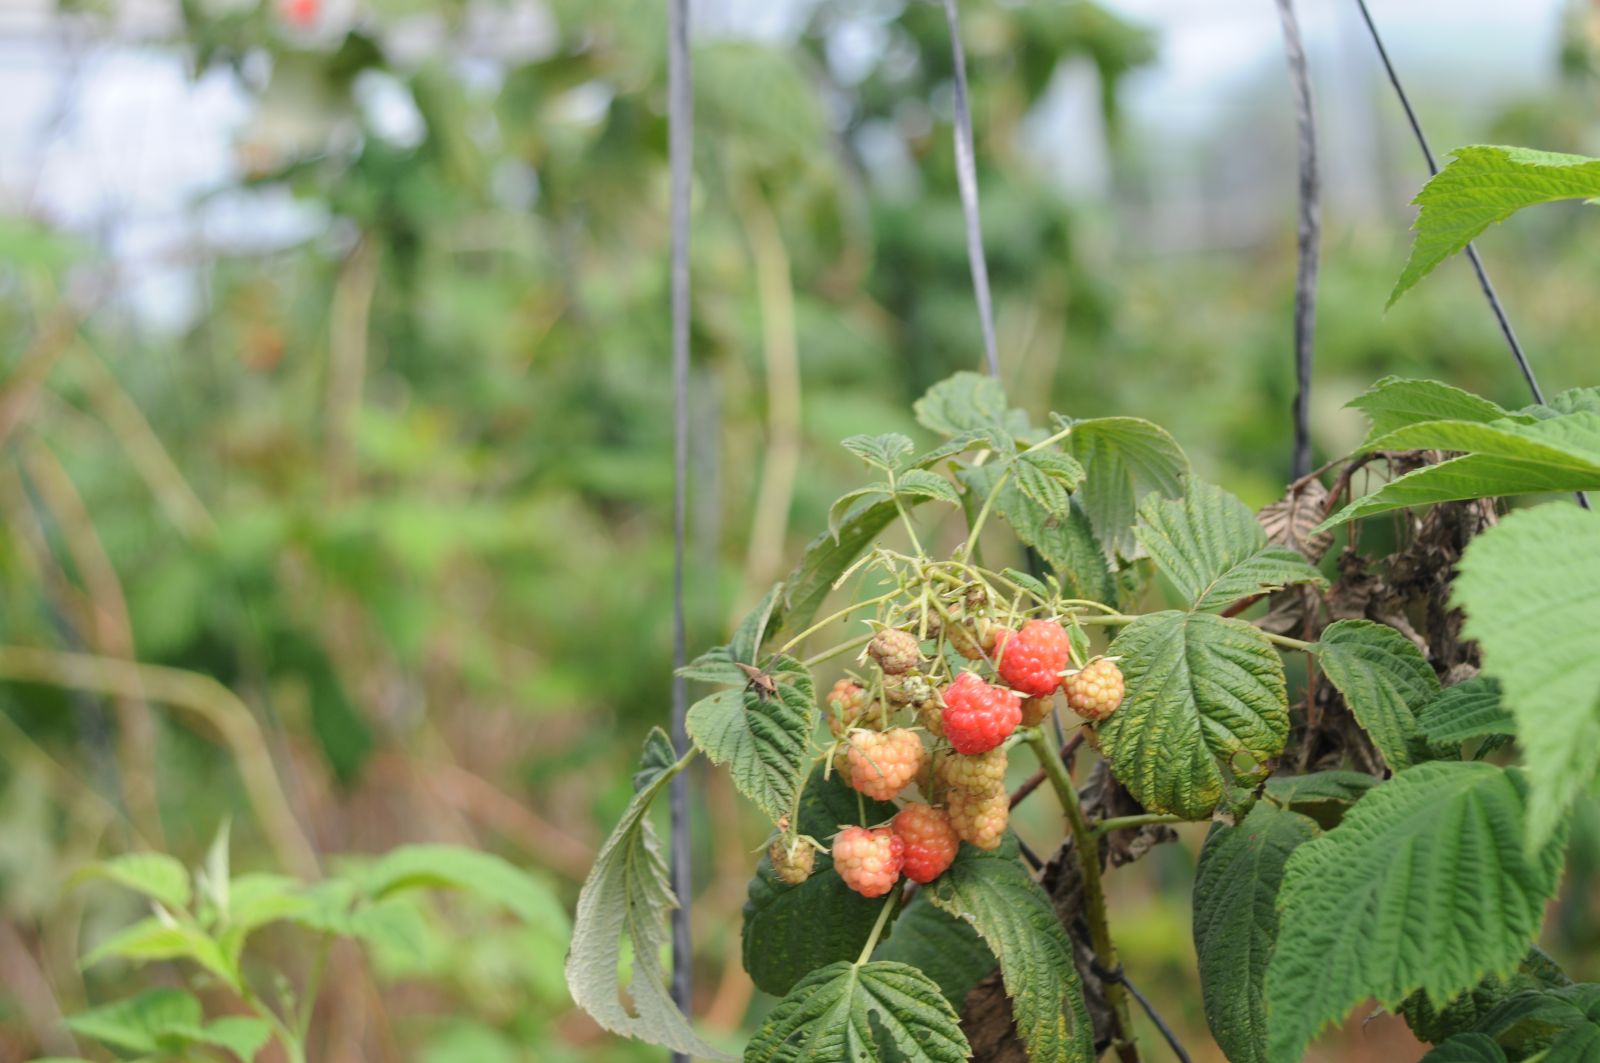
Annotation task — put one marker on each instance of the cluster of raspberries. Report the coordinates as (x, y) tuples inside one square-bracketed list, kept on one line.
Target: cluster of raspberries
[(963, 779)]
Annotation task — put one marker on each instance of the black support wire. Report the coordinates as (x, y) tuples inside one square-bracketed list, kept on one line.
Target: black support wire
[(680, 108), (1308, 237)]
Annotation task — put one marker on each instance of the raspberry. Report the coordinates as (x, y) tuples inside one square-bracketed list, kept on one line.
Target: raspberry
[(982, 774), (909, 688), (930, 841), (1036, 710), (792, 860), (1096, 690), (1031, 660), (846, 702), (930, 714), (974, 641), (895, 651), (883, 764), (869, 861), (979, 818), (978, 716)]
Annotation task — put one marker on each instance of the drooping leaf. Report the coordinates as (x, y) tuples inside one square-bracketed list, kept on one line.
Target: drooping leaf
[(153, 1021), (1206, 706), (792, 930), (1396, 402), (941, 946), (484, 875), (875, 1013), (1528, 587), (1212, 548), (1385, 681), (825, 558), (888, 452), (1324, 796), (155, 939), (1236, 922), (156, 875), (656, 757), (1016, 919), (1427, 884), (852, 502), (1467, 710), (1483, 184), (1125, 459), (627, 893), (763, 737), (1466, 1048)]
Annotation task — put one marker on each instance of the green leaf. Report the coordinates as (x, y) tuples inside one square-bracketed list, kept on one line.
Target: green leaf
[(155, 939), (763, 738), (1212, 548), (938, 944), (791, 930), (1483, 184), (1016, 919), (918, 483), (1125, 458), (887, 452), (1325, 796), (1564, 1020), (149, 1023), (1528, 587), (156, 875), (1395, 402), (1466, 1048), (1236, 922), (242, 1035), (875, 1013), (1573, 400), (627, 892), (656, 757), (1385, 681), (852, 501), (1047, 477), (951, 447), (484, 875), (1066, 542), (747, 638), (825, 558), (1467, 710), (1426, 884), (1465, 1011), (1206, 701), (970, 403)]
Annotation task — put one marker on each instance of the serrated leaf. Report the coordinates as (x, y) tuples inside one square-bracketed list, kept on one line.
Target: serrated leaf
[(1467, 710), (656, 757), (1396, 402), (1528, 587), (1066, 542), (875, 1013), (484, 875), (825, 558), (627, 893), (148, 1023), (1292, 520), (1575, 400), (716, 665), (752, 630), (1543, 1019), (1016, 919), (156, 875), (763, 738), (951, 447), (154, 939), (1236, 922), (1125, 459), (1466, 1011), (969, 403), (1212, 548), (1385, 681), (1324, 796), (919, 483), (1466, 1048), (1483, 184), (887, 452), (941, 946), (1426, 884), (1206, 702), (851, 501), (791, 930)]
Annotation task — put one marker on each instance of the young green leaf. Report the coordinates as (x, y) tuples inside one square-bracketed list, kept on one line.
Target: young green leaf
[(627, 893), (825, 557), (887, 452), (919, 484), (1206, 702), (940, 945), (155, 1021), (1212, 548), (1467, 710), (1528, 587), (485, 875), (1125, 459), (1395, 402), (1466, 1048), (875, 1013), (1324, 796), (1426, 884), (747, 638), (1483, 184), (1236, 922), (156, 875), (762, 734), (1016, 919), (155, 939), (1385, 681), (971, 403)]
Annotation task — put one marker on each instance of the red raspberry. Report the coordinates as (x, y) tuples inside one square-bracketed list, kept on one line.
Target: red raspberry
[(895, 651), (1031, 660), (983, 774), (979, 818), (792, 860), (883, 764), (1095, 691), (978, 716), (300, 13), (869, 861), (930, 841), (846, 703), (1037, 710)]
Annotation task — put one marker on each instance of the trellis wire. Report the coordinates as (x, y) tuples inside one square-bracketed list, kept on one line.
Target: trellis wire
[(680, 113), (1308, 237)]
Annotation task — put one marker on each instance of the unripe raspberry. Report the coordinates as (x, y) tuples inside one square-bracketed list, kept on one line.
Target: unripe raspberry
[(930, 714), (884, 763), (978, 818), (909, 688), (984, 773), (968, 639), (1036, 710), (1031, 660), (1094, 692), (792, 859), (895, 651), (869, 861), (930, 841), (977, 715), (846, 703)]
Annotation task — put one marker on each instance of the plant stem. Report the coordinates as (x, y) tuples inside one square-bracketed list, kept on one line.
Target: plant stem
[(308, 995), (877, 928), (1114, 619), (832, 652), (983, 515), (905, 518), (1106, 826), (1087, 844), (840, 615)]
